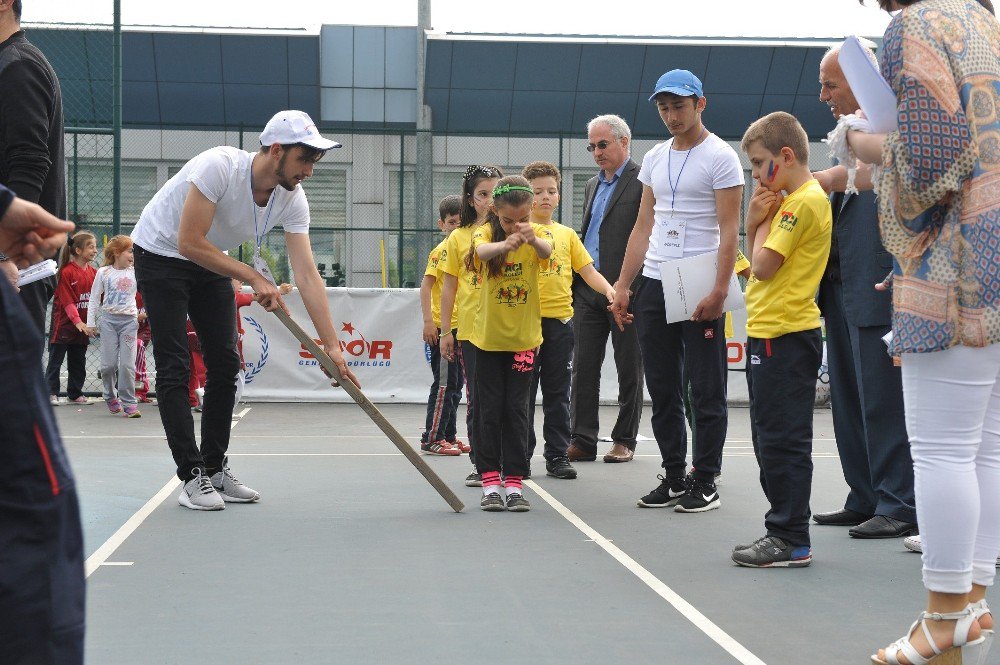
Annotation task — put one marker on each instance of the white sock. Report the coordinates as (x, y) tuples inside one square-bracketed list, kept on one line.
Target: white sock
[(491, 489)]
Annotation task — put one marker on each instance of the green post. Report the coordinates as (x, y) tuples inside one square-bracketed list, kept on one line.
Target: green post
[(116, 193), (399, 240), (76, 178), (559, 207)]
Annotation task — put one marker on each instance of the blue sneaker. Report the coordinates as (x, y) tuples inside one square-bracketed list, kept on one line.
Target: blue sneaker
[(773, 552)]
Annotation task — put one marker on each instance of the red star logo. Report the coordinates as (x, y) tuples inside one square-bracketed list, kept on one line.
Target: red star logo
[(348, 328)]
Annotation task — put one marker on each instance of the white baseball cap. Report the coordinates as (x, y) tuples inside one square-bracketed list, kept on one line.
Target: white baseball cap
[(288, 127)]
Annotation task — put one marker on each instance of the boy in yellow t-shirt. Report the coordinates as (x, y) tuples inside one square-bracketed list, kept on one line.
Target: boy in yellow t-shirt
[(508, 251), (554, 360), (789, 239), (439, 436)]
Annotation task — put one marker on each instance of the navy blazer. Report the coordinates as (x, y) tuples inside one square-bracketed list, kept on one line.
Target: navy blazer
[(863, 260)]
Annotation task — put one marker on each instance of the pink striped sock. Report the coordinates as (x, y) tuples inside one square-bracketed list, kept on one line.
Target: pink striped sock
[(513, 484), (491, 482)]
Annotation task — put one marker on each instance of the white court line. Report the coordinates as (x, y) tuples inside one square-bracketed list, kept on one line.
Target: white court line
[(97, 559), (314, 454), (118, 563), (242, 413), (100, 557), (687, 610)]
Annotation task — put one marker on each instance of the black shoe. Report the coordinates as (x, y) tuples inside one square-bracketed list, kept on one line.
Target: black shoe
[(560, 467), (516, 503), (882, 526), (701, 496), (843, 517), (474, 479), (772, 552), (666, 494), (493, 503)]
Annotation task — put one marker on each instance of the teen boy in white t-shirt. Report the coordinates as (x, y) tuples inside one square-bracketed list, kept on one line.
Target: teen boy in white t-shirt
[(691, 196), (219, 200)]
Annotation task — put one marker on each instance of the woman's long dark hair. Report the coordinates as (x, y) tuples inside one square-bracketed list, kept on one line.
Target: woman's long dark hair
[(517, 197)]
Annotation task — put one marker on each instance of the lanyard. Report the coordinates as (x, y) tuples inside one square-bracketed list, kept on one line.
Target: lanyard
[(259, 235), (674, 185)]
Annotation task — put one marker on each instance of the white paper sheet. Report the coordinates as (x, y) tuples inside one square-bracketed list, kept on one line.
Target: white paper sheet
[(687, 281), (877, 99)]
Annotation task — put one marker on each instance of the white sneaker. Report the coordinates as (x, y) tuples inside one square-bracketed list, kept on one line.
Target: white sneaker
[(198, 494), (913, 544), (54, 400), (230, 488)]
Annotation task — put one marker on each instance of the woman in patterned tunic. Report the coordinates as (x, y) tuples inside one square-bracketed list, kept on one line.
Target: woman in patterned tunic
[(939, 212)]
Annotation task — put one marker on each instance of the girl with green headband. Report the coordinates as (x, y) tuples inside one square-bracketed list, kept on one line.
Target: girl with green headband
[(508, 251)]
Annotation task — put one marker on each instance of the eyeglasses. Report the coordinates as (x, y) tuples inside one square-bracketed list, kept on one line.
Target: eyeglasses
[(603, 145)]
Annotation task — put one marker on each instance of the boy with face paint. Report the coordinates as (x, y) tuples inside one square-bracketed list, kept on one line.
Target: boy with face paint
[(789, 239)]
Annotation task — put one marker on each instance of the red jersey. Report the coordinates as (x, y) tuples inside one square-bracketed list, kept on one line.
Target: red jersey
[(143, 333), (69, 305)]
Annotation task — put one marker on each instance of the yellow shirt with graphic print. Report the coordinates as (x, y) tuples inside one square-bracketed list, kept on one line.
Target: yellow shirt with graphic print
[(742, 263), (510, 315), (800, 232), (435, 265), (555, 282), (466, 306)]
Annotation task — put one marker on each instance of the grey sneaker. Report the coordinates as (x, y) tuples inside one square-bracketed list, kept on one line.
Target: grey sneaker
[(230, 488), (198, 493), (516, 503), (773, 552), (474, 479)]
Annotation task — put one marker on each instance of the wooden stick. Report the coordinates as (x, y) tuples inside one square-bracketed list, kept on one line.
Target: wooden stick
[(366, 405)]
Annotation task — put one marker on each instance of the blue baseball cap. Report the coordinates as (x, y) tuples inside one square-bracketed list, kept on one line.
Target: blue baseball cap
[(679, 82)]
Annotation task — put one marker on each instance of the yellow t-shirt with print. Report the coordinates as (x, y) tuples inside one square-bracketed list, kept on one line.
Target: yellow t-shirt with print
[(800, 232), (510, 315), (555, 282), (435, 261), (742, 263), (457, 247)]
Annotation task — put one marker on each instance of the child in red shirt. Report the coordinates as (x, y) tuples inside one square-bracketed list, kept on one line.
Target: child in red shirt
[(70, 335)]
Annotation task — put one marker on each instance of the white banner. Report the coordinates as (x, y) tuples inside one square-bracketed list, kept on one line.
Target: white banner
[(380, 336)]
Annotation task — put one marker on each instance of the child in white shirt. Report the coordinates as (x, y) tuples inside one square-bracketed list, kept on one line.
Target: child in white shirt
[(113, 295)]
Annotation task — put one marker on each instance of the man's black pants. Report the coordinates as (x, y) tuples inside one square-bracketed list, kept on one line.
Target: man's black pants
[(782, 381), (668, 350), (173, 289), (553, 371)]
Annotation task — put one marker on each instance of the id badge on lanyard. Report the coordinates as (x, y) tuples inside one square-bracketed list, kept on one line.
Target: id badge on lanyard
[(259, 264), (671, 238)]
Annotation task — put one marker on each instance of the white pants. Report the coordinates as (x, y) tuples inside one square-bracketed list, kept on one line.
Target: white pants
[(952, 401)]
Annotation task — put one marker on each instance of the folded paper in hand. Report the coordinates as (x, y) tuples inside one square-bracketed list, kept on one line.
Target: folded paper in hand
[(876, 97), (686, 282)]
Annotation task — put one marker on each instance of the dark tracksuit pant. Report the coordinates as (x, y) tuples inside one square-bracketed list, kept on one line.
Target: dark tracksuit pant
[(553, 371), (668, 351), (173, 289), (76, 368), (466, 353), (782, 381), (503, 379), (41, 541), (442, 409)]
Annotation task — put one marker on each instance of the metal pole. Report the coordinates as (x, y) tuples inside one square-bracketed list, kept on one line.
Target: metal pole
[(399, 240), (116, 193), (76, 178), (423, 163), (559, 207)]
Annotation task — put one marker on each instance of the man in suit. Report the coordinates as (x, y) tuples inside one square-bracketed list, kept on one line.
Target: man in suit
[(612, 204), (865, 386)]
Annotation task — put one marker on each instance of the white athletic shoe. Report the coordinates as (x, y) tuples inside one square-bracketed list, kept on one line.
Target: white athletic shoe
[(913, 544), (198, 494), (230, 488)]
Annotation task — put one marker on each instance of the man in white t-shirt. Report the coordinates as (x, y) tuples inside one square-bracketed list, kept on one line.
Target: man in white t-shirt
[(216, 202), (691, 197)]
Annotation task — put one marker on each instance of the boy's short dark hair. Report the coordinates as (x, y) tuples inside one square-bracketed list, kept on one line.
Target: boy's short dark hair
[(450, 205), (309, 153), (16, 9), (541, 170), (776, 131)]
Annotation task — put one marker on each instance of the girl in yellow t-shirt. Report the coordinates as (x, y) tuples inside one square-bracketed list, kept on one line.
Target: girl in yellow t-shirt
[(508, 252), (460, 289)]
